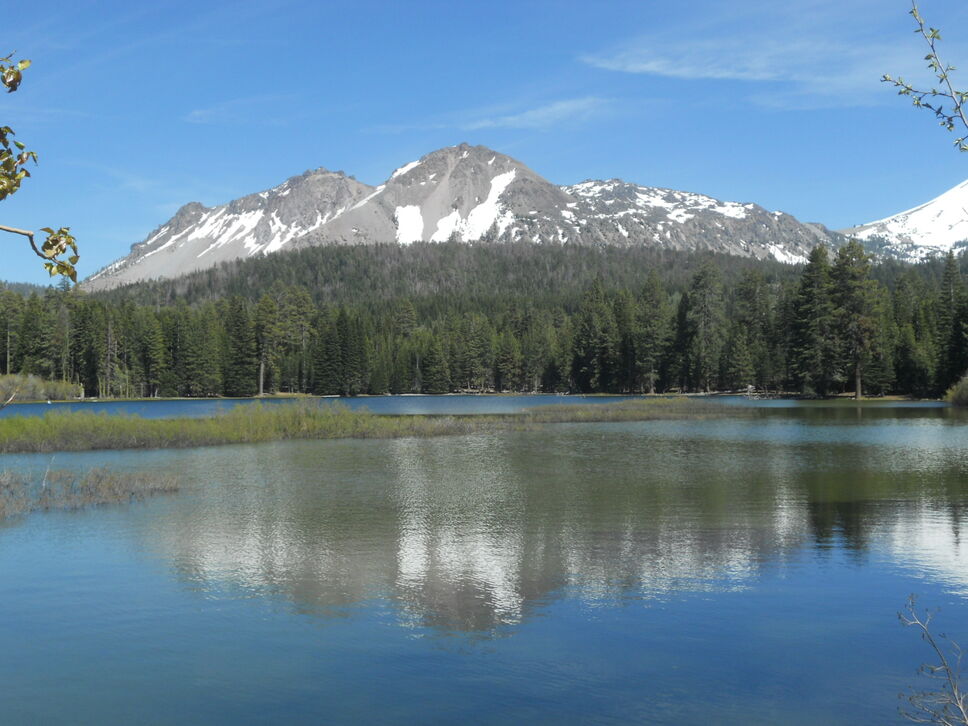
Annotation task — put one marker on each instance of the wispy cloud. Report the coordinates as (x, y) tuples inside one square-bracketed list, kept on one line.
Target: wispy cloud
[(257, 110), (545, 116), (539, 117), (117, 178), (788, 61)]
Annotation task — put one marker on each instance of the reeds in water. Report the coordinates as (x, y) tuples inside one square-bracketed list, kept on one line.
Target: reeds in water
[(311, 420), (64, 490)]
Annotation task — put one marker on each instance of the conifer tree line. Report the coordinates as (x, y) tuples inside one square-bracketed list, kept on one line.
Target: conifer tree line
[(835, 325)]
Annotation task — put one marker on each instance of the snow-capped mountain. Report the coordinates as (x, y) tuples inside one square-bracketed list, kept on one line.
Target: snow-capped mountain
[(930, 229), (464, 193)]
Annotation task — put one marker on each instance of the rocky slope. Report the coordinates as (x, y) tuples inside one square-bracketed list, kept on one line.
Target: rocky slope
[(461, 193)]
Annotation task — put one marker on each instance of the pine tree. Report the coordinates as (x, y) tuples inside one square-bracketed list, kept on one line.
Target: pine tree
[(705, 319), (737, 370), (328, 362), (406, 318), (855, 310), (33, 349), (11, 309), (596, 342), (813, 354), (435, 378), (202, 354), (268, 336), (507, 362), (352, 367), (380, 372), (677, 358), (755, 315), (652, 332), (241, 355), (153, 354)]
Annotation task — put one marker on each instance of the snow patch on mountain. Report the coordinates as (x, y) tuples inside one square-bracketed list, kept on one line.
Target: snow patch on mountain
[(409, 224), (929, 229), (447, 226), (781, 255), (489, 212), (405, 168)]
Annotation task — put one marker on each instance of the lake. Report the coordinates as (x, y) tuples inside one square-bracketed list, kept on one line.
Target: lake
[(744, 570)]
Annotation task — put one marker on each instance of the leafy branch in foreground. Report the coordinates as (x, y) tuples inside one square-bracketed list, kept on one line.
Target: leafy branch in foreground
[(947, 704), (14, 157), (945, 102)]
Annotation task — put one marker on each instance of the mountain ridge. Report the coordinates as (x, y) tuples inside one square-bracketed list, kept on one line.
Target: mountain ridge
[(458, 193)]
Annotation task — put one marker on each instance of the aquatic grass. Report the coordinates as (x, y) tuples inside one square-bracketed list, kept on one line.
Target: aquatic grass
[(62, 431), (64, 490)]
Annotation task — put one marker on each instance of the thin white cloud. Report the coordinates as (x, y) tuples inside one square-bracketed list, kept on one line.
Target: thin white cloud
[(258, 110), (792, 57), (541, 117), (544, 116)]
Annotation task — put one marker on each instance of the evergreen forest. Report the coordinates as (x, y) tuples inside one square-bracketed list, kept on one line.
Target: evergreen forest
[(426, 318)]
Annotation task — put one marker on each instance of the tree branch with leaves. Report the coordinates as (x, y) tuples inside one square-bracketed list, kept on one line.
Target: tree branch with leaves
[(59, 248), (945, 101)]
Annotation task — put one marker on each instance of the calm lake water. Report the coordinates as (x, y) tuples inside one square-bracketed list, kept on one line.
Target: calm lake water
[(739, 571)]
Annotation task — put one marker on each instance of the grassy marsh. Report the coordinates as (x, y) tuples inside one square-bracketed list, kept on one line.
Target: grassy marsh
[(308, 420)]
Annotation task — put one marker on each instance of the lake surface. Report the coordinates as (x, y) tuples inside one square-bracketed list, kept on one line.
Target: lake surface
[(739, 571)]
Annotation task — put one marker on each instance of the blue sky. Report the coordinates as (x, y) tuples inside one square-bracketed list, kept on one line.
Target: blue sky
[(138, 108)]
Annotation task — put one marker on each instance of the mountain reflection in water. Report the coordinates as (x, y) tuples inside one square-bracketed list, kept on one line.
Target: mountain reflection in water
[(475, 533)]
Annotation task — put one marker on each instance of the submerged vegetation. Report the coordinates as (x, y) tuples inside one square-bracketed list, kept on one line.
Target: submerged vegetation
[(309, 420), (64, 490)]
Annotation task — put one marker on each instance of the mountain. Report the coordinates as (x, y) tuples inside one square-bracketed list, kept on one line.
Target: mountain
[(464, 193), (930, 229)]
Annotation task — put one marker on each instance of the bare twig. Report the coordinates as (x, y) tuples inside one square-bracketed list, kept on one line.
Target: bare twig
[(30, 238), (948, 704)]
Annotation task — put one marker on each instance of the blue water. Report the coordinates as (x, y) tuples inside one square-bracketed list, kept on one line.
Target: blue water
[(738, 571)]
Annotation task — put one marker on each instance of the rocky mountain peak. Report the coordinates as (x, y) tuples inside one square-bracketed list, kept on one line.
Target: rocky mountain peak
[(465, 193)]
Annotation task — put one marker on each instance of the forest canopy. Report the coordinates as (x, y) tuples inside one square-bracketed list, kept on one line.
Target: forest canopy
[(454, 317)]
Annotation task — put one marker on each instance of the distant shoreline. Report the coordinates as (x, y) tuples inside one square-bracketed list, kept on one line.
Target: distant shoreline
[(481, 394)]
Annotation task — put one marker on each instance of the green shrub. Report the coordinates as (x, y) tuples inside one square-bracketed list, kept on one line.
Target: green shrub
[(34, 388), (958, 393)]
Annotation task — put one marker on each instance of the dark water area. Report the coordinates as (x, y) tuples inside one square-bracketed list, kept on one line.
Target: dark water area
[(741, 570)]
